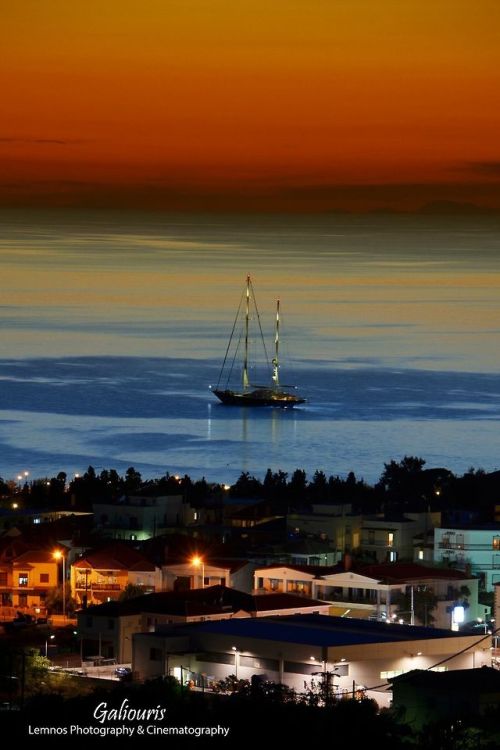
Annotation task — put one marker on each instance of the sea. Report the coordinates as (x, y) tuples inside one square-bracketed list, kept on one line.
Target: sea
[(113, 327)]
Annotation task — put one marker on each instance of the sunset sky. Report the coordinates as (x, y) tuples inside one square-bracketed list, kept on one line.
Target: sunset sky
[(276, 105)]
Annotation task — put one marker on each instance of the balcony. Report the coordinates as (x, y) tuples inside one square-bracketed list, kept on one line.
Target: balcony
[(445, 544), (105, 587), (377, 543)]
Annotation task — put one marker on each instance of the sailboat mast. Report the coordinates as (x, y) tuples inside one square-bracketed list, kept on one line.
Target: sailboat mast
[(246, 381), (276, 346)]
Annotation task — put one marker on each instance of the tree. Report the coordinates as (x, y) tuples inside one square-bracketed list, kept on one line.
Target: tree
[(133, 480), (246, 486), (318, 488), (131, 591), (403, 481), (54, 599), (298, 485), (424, 603)]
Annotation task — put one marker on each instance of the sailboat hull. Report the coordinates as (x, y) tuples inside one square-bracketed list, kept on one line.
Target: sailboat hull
[(261, 397)]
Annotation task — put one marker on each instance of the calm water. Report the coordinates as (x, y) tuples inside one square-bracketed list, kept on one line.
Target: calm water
[(112, 329)]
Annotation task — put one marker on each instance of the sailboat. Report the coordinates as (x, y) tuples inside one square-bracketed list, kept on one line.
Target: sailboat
[(273, 394)]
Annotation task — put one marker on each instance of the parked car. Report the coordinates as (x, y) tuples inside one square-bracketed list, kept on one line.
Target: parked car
[(124, 673)]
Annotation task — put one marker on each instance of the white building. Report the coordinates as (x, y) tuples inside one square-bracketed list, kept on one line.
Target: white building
[(106, 630), (371, 590), (199, 573), (294, 650), (474, 548)]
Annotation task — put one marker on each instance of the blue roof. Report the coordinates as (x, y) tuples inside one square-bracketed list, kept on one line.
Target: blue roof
[(321, 630)]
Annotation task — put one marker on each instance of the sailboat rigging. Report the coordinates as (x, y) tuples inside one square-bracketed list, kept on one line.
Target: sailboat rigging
[(274, 394)]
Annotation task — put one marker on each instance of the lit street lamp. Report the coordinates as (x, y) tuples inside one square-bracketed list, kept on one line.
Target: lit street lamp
[(236, 660), (50, 638), (200, 562), (58, 555)]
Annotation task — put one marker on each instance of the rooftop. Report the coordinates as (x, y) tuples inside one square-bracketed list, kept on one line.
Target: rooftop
[(321, 630), (115, 557)]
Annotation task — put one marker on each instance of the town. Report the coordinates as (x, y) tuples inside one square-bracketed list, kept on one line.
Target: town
[(328, 588)]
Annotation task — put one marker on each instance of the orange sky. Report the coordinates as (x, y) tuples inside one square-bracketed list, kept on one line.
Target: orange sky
[(260, 104)]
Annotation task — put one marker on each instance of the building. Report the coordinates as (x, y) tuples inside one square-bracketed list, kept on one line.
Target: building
[(389, 537), (359, 655), (106, 630), (198, 572), (421, 697), (102, 575), (26, 580), (291, 579), (373, 590), (334, 523), (475, 548), (142, 517)]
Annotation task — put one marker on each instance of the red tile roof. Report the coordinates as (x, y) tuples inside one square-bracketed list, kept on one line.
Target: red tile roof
[(36, 556), (399, 572), (271, 601), (115, 557)]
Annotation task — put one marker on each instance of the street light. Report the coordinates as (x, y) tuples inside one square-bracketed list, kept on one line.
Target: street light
[(50, 638), (200, 562), (58, 555), (236, 660)]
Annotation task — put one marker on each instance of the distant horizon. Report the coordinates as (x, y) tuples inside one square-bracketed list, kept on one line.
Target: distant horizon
[(438, 207)]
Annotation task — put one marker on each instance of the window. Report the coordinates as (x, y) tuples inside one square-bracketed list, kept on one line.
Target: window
[(23, 600), (155, 654), (3, 579), (390, 539), (274, 584), (391, 673), (206, 581), (222, 581), (44, 577), (496, 542), (23, 579), (421, 554), (371, 536), (393, 555)]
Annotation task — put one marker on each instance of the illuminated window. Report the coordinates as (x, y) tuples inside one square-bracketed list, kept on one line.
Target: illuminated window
[(421, 554), (496, 542), (23, 579), (390, 539)]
